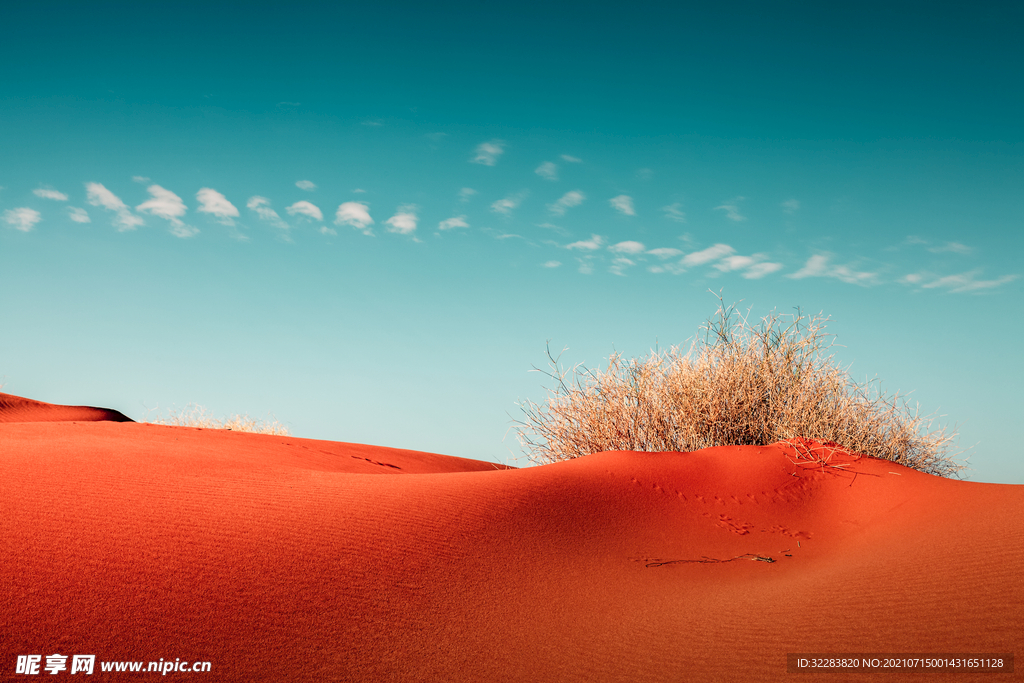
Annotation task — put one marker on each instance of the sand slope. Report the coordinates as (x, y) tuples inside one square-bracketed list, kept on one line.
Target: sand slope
[(284, 559), (18, 409)]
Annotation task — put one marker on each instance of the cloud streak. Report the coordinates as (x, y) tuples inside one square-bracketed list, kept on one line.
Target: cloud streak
[(674, 212), (98, 195), (628, 247), (593, 244), (509, 204), (355, 214), (966, 282), (712, 253), (217, 205), (819, 266), (165, 204), (623, 204), (47, 193), (566, 202), (664, 252), (953, 247), (261, 205), (487, 153), (755, 266), (453, 222), (732, 209), (304, 208), (404, 221), (78, 215), (23, 219), (547, 171)]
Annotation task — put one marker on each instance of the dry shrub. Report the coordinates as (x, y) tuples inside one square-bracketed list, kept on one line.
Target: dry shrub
[(196, 416), (737, 385)]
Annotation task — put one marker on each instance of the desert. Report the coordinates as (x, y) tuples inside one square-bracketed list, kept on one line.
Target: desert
[(554, 342), (281, 558)]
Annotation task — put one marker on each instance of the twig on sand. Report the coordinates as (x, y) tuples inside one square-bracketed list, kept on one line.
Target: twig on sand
[(711, 560), (823, 461)]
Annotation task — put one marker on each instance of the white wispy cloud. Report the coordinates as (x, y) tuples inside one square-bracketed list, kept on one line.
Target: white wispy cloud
[(816, 266), (819, 266), (712, 253), (507, 205), (404, 220), (732, 209), (966, 282), (759, 270), (304, 208), (261, 205), (307, 185), (755, 266), (790, 205), (453, 222), (78, 215), (735, 262), (183, 231), (566, 202), (594, 243), (954, 247), (140, 179), (551, 264), (97, 195), (487, 153), (47, 193), (628, 247), (165, 204), (911, 279), (547, 170), (644, 173), (664, 252), (22, 219), (623, 204), (359, 191), (356, 214), (619, 265), (571, 159), (674, 212), (217, 205), (465, 193)]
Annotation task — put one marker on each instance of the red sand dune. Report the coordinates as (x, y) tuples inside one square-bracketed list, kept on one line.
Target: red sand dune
[(18, 409), (284, 559)]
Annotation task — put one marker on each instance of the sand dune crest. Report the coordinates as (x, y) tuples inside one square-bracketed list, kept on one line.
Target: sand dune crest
[(18, 409)]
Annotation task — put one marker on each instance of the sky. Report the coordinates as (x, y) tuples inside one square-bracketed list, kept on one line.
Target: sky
[(368, 221)]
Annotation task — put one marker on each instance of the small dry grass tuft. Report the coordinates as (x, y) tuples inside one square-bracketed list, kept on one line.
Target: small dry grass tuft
[(196, 416), (737, 385)]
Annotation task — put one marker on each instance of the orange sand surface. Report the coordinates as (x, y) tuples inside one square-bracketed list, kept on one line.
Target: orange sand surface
[(283, 559)]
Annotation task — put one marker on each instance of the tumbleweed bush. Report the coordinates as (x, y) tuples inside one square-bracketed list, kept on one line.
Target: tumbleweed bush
[(197, 416), (739, 384)]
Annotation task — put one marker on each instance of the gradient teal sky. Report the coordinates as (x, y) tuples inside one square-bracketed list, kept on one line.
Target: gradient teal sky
[(186, 190)]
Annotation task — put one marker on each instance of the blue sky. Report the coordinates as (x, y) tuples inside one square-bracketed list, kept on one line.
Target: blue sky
[(368, 220)]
